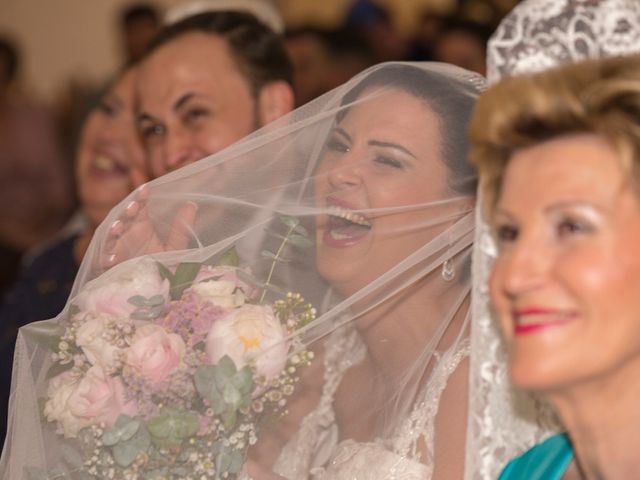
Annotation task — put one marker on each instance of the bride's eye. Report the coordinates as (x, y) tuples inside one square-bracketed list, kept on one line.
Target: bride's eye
[(337, 145), (388, 161), (151, 131)]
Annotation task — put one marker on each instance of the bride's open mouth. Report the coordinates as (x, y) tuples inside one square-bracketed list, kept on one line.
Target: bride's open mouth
[(345, 227)]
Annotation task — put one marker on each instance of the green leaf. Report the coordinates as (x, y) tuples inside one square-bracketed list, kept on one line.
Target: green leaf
[(58, 369), (272, 256), (229, 420), (156, 300), (243, 381), (164, 272), (301, 230), (290, 222), (183, 278), (230, 258), (300, 241)]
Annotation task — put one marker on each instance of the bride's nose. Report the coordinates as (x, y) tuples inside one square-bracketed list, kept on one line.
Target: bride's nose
[(347, 172)]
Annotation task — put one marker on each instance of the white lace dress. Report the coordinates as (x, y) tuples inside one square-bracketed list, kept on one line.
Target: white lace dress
[(315, 451)]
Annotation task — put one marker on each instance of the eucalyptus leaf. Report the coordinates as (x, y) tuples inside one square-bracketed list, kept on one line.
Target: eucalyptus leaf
[(124, 454), (227, 366), (300, 241), (289, 221), (171, 427), (230, 258), (156, 300), (71, 456), (246, 277), (138, 301), (232, 395), (236, 461)]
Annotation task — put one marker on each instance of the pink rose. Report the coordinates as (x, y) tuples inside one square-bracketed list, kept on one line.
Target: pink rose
[(252, 335), (110, 293), (155, 354), (76, 403)]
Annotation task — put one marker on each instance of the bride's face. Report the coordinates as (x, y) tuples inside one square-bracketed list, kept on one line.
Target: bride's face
[(566, 281), (384, 153)]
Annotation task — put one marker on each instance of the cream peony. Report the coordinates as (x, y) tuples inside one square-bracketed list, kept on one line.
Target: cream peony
[(250, 334), (77, 403), (154, 353), (111, 295)]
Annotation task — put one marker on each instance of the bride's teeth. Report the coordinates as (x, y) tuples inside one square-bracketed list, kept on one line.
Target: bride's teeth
[(349, 215), (103, 163)]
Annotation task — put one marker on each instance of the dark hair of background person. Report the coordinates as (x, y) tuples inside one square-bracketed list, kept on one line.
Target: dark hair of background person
[(462, 42), (452, 108), (9, 60), (257, 50), (138, 24)]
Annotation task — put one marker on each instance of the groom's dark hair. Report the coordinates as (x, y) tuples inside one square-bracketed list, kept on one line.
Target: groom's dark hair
[(257, 51)]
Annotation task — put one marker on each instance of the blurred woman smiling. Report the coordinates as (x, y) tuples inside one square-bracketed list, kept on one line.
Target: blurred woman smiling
[(559, 158)]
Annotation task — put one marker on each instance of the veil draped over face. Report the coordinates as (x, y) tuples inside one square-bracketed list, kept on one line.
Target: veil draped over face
[(298, 304), (536, 35)]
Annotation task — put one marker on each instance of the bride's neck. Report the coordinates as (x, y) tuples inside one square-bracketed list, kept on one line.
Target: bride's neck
[(397, 331)]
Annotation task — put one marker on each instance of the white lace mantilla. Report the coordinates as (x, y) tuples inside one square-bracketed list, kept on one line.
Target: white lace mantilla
[(542, 34), (314, 452)]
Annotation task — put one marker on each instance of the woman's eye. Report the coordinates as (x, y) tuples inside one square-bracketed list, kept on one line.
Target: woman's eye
[(336, 145), (151, 131), (506, 233), (193, 115), (107, 108), (389, 161), (570, 226)]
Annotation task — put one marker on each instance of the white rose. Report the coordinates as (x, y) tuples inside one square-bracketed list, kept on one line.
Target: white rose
[(110, 294), (90, 337), (219, 292), (250, 335)]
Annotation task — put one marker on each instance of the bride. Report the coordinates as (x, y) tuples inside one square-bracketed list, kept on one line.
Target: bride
[(363, 202)]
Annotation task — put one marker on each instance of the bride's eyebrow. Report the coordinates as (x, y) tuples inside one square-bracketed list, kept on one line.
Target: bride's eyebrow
[(379, 143), (341, 132)]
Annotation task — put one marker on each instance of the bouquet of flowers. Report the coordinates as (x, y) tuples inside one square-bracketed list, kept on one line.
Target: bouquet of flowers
[(167, 371)]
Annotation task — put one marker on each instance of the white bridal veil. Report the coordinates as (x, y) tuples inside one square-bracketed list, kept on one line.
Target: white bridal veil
[(536, 35), (296, 305)]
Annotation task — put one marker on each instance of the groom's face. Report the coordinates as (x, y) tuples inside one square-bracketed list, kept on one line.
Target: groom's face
[(192, 102)]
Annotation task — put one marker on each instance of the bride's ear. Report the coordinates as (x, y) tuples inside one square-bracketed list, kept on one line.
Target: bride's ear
[(275, 100)]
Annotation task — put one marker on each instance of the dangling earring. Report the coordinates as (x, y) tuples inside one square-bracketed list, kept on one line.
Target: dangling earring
[(448, 272)]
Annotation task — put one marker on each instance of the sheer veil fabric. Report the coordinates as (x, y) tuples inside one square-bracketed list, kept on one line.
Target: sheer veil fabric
[(536, 35), (362, 202)]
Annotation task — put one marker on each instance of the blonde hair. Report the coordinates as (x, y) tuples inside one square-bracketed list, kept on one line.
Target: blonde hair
[(594, 96)]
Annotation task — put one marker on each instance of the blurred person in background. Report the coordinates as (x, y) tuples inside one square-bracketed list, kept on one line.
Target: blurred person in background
[(138, 23), (106, 162), (462, 43), (35, 181)]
